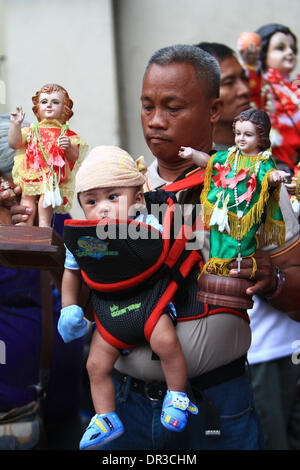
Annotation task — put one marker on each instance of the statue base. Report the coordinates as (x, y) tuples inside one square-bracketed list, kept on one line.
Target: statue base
[(25, 247), (224, 291)]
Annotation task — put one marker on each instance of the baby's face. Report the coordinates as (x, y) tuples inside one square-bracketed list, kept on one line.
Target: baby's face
[(111, 203), (281, 54)]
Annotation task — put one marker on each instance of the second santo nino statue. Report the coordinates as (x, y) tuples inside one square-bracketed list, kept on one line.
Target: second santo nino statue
[(48, 154), (240, 204)]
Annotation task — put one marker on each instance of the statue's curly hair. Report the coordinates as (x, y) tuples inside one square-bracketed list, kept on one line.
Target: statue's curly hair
[(50, 88)]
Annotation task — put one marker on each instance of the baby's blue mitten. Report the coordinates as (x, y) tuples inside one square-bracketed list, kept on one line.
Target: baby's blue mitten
[(71, 323)]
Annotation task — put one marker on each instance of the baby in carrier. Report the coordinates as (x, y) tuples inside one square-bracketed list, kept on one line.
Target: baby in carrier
[(109, 185)]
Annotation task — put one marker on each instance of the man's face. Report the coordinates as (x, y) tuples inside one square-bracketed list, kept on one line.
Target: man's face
[(234, 89), (176, 111)]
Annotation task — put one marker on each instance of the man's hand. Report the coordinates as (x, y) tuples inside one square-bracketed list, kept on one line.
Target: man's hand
[(19, 213), (265, 275), (266, 279), (7, 199)]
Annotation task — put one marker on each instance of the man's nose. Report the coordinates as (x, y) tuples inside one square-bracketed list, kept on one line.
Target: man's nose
[(158, 118), (243, 88)]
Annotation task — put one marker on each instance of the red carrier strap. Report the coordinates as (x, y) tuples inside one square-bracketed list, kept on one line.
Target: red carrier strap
[(194, 178)]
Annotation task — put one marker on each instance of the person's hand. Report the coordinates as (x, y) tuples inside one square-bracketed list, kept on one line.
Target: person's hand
[(71, 323), (251, 54), (265, 275), (9, 197), (19, 213), (291, 187), (278, 176), (17, 117)]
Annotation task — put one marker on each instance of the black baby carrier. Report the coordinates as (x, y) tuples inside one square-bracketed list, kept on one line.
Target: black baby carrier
[(134, 270)]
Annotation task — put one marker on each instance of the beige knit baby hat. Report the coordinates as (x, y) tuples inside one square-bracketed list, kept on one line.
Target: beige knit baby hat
[(109, 166)]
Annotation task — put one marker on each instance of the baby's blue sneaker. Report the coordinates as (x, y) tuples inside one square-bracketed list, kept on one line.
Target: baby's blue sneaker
[(175, 409), (102, 429)]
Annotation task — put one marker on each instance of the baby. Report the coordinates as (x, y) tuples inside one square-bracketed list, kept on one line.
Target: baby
[(109, 185)]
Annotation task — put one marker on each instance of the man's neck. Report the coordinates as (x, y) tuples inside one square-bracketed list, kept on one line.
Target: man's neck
[(223, 133), (171, 172)]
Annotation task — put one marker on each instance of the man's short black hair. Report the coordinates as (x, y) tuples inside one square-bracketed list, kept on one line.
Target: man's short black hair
[(206, 66), (217, 50)]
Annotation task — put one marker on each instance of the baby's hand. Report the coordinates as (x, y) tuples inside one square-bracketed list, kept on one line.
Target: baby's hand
[(71, 323), (278, 176), (18, 116)]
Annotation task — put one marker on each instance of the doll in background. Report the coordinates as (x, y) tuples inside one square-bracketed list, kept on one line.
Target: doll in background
[(48, 154), (249, 47), (278, 93), (241, 194)]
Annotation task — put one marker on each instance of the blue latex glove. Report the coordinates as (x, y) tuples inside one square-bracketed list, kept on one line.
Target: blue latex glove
[(71, 323)]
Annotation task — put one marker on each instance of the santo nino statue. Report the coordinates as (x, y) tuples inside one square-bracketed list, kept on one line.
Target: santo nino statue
[(48, 154), (240, 199)]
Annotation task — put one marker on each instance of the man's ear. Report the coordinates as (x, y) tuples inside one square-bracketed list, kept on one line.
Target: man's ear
[(216, 110)]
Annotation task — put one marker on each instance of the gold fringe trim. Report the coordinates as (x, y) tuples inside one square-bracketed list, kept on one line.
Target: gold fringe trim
[(219, 266), (274, 231), (244, 161), (297, 191)]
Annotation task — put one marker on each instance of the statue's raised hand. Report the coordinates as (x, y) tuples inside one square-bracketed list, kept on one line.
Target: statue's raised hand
[(17, 117)]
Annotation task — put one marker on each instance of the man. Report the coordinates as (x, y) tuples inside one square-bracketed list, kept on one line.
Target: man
[(234, 91), (274, 335), (180, 105)]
